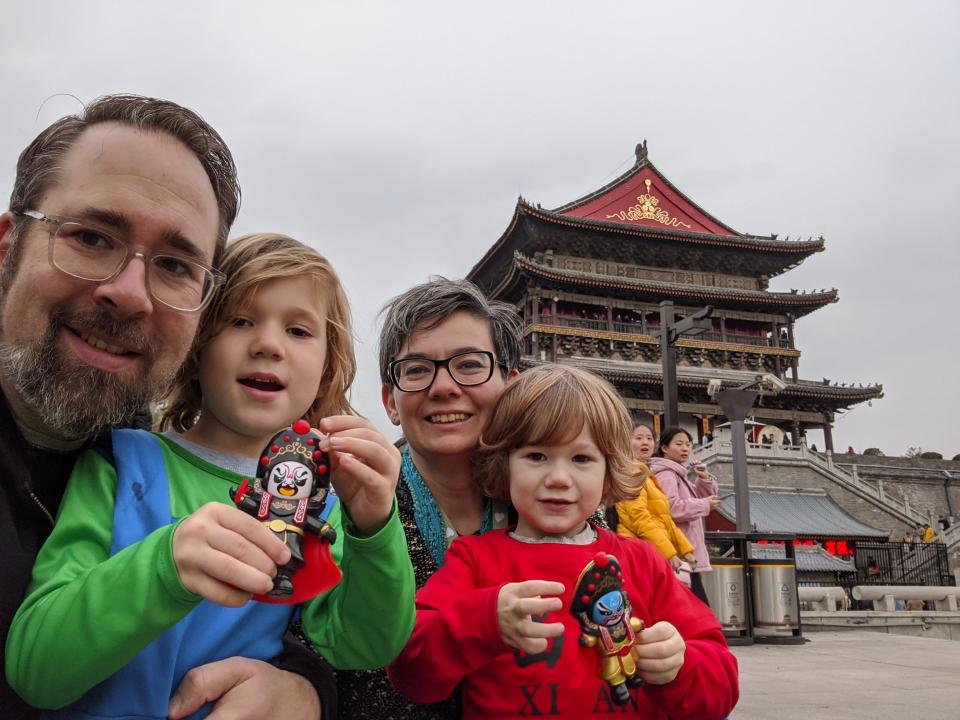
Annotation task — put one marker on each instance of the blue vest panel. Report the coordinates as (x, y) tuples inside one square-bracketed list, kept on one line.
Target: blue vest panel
[(209, 632)]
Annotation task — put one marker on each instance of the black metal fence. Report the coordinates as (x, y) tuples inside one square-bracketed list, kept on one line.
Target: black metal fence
[(898, 563)]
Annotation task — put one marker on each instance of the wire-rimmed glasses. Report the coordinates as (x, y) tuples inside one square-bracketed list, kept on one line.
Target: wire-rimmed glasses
[(87, 252)]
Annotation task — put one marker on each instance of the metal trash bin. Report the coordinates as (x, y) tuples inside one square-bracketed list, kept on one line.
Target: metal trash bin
[(725, 588), (775, 600)]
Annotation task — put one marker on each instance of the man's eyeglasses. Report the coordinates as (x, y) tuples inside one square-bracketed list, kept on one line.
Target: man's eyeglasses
[(466, 369), (87, 252)]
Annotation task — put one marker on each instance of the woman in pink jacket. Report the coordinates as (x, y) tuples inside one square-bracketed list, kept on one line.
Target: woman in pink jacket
[(690, 501)]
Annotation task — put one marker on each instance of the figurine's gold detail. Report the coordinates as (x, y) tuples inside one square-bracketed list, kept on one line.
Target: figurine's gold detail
[(278, 526)]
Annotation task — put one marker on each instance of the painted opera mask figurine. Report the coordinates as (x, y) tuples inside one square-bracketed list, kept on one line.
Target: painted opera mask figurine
[(291, 495), (603, 610)]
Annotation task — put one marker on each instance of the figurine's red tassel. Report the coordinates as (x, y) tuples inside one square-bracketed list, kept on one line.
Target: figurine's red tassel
[(241, 492)]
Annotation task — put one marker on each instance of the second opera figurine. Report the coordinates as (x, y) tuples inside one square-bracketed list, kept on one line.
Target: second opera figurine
[(601, 606)]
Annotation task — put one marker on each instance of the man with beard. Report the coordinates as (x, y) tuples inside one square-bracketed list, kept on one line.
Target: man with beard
[(85, 346)]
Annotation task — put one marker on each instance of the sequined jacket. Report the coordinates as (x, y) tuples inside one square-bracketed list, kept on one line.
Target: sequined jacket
[(367, 694)]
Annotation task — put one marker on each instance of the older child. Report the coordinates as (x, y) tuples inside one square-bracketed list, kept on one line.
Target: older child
[(504, 614), (150, 570)]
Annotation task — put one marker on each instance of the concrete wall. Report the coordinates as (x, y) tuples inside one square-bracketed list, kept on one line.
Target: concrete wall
[(921, 482), (900, 463), (803, 478)]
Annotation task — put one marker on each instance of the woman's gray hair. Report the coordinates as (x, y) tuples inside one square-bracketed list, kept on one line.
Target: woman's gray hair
[(427, 305)]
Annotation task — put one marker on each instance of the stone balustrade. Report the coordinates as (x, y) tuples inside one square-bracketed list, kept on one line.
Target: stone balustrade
[(943, 597), (827, 599)]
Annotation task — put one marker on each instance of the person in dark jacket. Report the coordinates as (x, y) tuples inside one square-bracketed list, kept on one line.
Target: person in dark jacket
[(86, 349)]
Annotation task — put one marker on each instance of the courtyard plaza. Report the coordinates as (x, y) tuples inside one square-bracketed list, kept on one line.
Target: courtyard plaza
[(850, 675)]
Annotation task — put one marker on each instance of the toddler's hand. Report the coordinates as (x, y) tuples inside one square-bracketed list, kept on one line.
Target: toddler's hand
[(225, 555), (518, 604), (661, 653), (675, 562), (366, 466)]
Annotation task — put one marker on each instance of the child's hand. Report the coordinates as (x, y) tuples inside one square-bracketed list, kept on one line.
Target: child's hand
[(225, 555), (661, 653), (518, 604), (365, 467)]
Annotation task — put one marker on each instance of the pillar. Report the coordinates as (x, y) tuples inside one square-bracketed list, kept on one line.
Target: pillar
[(827, 433), (534, 319), (793, 346)]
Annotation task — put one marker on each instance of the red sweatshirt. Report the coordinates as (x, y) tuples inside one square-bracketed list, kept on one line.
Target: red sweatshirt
[(457, 637)]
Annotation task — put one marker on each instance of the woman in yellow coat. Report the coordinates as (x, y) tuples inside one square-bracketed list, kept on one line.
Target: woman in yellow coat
[(648, 515)]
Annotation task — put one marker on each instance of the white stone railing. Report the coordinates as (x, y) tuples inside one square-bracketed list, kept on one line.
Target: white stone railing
[(950, 537), (829, 599), (801, 455), (942, 597)]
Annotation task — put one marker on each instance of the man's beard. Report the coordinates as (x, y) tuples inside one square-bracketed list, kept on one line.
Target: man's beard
[(73, 400)]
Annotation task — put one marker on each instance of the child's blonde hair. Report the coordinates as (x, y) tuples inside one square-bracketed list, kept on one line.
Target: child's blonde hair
[(248, 262), (549, 405)]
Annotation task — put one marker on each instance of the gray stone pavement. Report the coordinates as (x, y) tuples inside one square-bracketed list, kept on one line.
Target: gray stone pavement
[(850, 675)]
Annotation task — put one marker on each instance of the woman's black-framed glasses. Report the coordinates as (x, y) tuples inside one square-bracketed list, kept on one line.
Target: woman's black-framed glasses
[(466, 369)]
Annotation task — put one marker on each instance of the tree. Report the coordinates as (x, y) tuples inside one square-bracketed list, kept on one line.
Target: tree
[(876, 452), (913, 452), (930, 456)]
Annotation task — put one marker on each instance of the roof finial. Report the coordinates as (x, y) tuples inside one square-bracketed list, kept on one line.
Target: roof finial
[(641, 151)]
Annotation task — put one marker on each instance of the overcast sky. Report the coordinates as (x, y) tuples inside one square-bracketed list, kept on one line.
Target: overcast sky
[(395, 138)]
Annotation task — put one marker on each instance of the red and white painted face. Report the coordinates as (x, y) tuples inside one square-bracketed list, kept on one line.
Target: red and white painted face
[(291, 480)]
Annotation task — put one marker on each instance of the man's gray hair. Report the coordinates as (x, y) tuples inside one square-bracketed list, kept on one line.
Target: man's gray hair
[(427, 305), (40, 162)]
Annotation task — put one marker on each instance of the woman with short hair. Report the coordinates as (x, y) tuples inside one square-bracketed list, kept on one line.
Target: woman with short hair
[(445, 353)]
